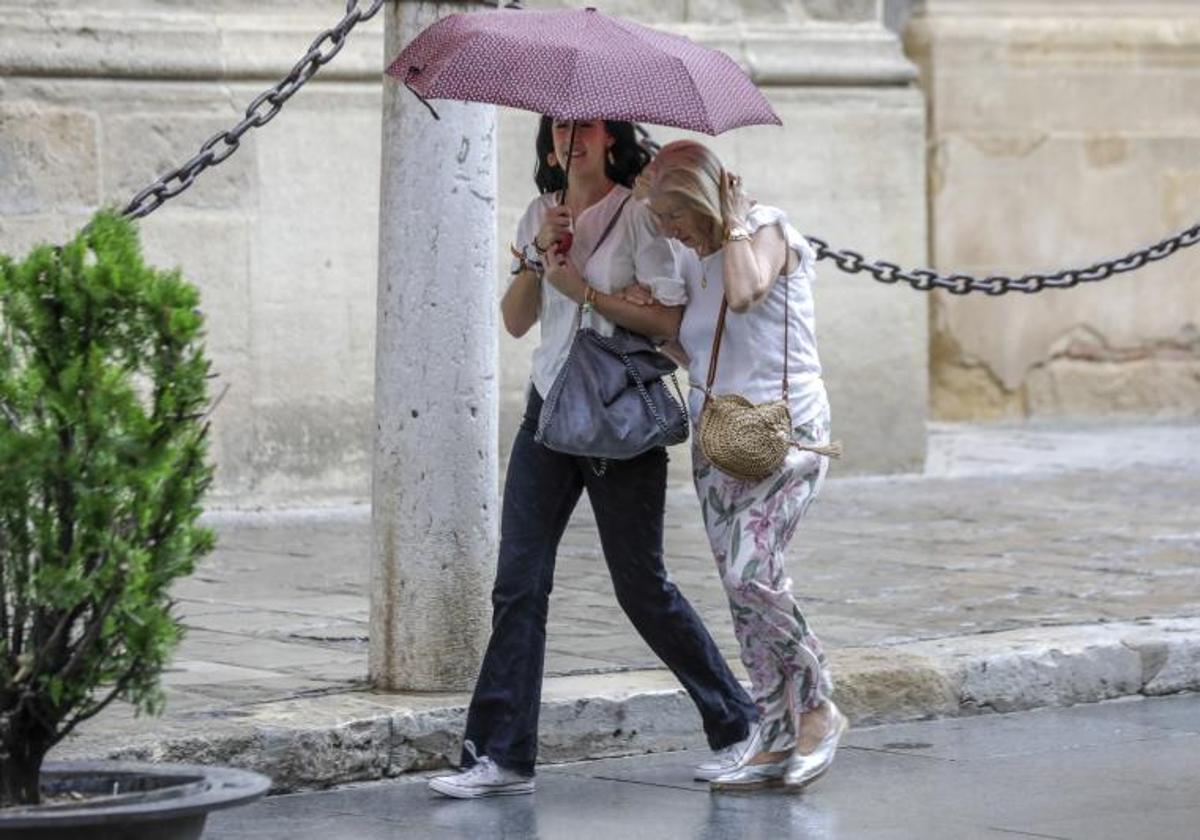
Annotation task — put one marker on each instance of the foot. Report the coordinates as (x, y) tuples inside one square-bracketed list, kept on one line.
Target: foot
[(763, 769), (729, 758), (813, 726), (810, 761), (485, 778)]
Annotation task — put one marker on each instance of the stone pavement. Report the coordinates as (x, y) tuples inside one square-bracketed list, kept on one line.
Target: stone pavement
[(1125, 769), (1030, 564)]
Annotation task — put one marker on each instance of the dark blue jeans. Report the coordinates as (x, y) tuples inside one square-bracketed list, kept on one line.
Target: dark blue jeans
[(540, 492)]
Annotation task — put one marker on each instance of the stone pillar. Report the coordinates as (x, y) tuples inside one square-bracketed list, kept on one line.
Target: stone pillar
[(434, 504)]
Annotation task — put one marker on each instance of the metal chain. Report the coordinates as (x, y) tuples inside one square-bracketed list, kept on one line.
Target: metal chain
[(262, 110), (924, 279)]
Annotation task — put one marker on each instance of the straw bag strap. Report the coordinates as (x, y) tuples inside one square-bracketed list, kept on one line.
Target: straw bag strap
[(716, 346)]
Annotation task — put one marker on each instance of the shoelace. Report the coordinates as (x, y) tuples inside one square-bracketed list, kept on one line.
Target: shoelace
[(482, 766)]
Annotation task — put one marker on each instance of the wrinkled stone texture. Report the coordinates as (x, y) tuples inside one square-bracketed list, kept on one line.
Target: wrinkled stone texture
[(1062, 133)]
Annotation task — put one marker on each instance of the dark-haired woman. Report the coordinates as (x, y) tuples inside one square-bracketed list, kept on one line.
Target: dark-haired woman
[(607, 243)]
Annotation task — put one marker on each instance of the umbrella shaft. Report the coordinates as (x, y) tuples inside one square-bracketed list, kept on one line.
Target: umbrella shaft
[(567, 167), (564, 244)]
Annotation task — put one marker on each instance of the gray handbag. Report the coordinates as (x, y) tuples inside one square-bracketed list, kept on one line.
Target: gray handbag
[(609, 401)]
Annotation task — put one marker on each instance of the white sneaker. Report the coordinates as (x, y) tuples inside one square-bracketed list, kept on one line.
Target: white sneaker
[(485, 778), (730, 758)]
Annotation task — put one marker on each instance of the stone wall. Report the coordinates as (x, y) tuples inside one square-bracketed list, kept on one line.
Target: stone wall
[(1062, 132), (96, 101)]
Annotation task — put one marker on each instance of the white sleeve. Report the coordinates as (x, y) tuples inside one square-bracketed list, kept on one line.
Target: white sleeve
[(654, 258), (531, 222), (527, 228)]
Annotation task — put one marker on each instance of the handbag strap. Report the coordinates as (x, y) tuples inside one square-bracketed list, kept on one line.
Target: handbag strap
[(716, 346), (607, 230), (612, 223)]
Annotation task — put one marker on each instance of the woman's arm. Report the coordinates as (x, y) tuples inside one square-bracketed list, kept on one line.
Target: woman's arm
[(653, 321), (752, 264), (541, 227), (520, 305)]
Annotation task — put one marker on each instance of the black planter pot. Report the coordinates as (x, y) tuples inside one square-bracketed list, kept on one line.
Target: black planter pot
[(134, 801)]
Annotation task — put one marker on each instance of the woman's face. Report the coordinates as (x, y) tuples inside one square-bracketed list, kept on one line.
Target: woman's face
[(678, 220), (592, 143)]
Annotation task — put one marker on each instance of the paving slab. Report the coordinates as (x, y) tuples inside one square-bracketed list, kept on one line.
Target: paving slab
[(1031, 564)]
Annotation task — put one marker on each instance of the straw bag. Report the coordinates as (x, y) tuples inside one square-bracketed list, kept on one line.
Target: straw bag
[(745, 440)]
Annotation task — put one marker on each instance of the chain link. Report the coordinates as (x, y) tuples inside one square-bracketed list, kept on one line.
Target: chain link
[(924, 280)]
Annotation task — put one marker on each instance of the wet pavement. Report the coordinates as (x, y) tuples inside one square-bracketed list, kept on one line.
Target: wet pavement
[(1124, 769)]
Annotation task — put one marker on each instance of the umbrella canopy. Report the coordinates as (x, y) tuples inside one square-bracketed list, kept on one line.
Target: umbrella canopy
[(581, 64)]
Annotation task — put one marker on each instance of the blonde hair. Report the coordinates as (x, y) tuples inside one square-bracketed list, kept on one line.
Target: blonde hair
[(691, 173)]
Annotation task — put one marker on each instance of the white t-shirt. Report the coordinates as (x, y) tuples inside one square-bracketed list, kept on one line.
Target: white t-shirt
[(633, 252), (751, 359)]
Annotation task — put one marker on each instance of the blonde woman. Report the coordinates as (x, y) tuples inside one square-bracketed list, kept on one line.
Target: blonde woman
[(749, 255)]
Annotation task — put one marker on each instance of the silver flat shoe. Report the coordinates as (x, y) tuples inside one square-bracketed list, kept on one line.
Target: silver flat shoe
[(752, 776), (803, 770), (730, 758)]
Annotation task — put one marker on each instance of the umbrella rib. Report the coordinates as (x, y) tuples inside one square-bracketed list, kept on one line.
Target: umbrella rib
[(699, 96)]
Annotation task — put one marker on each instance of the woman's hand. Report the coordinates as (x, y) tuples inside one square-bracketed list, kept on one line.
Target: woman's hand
[(562, 274), (556, 224), (738, 207), (637, 294)]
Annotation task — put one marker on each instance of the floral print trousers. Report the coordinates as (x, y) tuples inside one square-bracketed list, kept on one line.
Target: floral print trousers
[(749, 525)]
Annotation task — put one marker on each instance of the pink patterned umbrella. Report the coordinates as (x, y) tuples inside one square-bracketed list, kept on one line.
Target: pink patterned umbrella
[(575, 65)]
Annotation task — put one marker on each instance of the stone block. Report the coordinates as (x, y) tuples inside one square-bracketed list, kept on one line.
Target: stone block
[(426, 740), (310, 451), (1170, 655), (141, 147), (1062, 134), (873, 686), (1051, 676), (214, 255), (983, 226), (297, 757), (48, 160), (1158, 387)]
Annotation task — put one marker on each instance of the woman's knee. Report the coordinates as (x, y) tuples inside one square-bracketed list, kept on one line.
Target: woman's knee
[(525, 573), (648, 598)]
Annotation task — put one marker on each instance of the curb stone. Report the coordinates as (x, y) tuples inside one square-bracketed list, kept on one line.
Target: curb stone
[(324, 740)]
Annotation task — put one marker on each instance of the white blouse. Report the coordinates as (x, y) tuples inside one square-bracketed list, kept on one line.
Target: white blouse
[(751, 359), (633, 252)]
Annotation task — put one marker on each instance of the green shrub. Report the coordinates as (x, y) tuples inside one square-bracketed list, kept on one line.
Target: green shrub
[(103, 442)]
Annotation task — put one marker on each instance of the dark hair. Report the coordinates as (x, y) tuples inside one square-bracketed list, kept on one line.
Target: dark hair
[(630, 155)]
